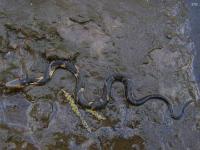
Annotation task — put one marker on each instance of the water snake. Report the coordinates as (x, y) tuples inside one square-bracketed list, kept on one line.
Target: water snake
[(102, 101)]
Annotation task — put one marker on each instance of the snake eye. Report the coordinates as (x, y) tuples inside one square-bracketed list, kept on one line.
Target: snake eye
[(17, 83)]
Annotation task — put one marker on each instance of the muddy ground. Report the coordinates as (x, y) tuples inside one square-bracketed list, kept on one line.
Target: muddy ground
[(145, 39)]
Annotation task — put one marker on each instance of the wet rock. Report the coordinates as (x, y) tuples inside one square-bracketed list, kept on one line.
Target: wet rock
[(12, 27), (105, 133), (56, 54), (198, 121), (80, 19), (42, 112), (30, 33), (3, 45), (25, 31), (14, 123), (13, 45), (136, 143), (89, 36), (51, 32), (15, 141), (39, 92), (145, 39), (13, 110), (135, 124), (3, 14), (80, 142), (62, 141)]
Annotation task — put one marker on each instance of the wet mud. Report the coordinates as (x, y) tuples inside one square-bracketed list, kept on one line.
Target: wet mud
[(146, 39)]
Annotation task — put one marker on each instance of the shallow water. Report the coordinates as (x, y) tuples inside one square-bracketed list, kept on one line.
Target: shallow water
[(194, 15), (146, 39)]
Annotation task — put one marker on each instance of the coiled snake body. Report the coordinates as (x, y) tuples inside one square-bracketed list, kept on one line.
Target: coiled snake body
[(106, 94)]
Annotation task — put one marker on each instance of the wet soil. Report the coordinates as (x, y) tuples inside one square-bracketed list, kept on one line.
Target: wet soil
[(145, 39)]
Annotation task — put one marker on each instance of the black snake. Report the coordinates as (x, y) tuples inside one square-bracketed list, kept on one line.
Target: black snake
[(106, 95)]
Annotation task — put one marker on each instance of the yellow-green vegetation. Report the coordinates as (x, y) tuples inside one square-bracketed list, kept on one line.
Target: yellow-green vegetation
[(11, 27), (95, 114), (75, 109), (3, 14)]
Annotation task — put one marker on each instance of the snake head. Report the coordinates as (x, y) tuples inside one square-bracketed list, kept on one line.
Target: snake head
[(15, 84)]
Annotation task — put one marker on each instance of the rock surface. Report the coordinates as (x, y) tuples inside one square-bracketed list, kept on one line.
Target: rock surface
[(146, 39)]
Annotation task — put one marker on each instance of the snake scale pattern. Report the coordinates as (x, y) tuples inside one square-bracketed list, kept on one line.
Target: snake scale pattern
[(106, 94)]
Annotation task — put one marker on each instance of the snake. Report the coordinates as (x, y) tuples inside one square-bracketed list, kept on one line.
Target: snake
[(102, 101)]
